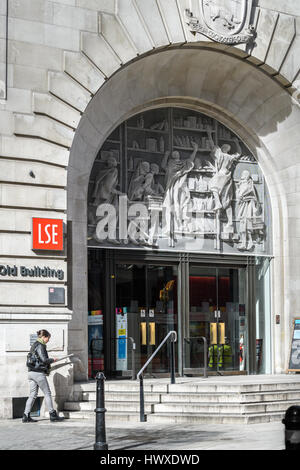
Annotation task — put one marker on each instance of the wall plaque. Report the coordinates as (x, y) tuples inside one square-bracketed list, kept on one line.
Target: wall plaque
[(56, 295)]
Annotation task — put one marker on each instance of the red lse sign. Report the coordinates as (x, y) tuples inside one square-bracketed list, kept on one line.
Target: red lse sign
[(47, 234)]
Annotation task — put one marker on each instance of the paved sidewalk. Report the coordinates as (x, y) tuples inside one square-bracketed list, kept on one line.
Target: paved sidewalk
[(80, 435)]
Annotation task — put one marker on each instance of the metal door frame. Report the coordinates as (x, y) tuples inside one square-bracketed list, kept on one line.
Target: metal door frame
[(112, 258), (230, 262), (182, 261)]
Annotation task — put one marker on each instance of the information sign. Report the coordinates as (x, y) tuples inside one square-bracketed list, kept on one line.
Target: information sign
[(47, 234)]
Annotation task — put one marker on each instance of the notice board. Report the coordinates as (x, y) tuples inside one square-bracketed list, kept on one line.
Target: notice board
[(294, 360)]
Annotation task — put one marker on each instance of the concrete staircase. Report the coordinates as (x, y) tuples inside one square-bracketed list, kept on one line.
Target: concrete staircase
[(250, 399)]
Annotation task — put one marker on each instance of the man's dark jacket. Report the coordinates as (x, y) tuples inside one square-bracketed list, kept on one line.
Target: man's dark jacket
[(42, 363)]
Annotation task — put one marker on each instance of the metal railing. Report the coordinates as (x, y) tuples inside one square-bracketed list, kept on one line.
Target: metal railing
[(172, 370), (187, 340)]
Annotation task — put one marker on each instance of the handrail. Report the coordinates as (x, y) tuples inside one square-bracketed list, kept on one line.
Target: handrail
[(156, 351), (172, 367), (205, 352)]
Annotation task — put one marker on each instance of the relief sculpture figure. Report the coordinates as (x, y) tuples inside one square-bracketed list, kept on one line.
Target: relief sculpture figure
[(156, 187), (248, 209), (177, 195), (141, 182), (221, 183), (155, 201), (142, 186), (105, 187)]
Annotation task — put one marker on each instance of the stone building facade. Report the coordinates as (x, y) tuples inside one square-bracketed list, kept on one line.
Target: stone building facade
[(71, 72)]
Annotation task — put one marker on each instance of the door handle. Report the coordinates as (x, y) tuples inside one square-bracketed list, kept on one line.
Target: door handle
[(221, 328), (152, 333), (213, 333), (217, 333), (143, 333)]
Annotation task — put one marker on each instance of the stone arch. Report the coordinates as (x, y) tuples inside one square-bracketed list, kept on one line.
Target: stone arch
[(244, 99), (124, 31)]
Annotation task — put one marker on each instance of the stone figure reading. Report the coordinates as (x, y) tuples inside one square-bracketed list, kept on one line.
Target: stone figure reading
[(248, 209), (177, 195), (141, 183), (156, 187), (221, 183)]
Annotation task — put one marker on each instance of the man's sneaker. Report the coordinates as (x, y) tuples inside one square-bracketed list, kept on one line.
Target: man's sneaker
[(28, 419), (54, 416)]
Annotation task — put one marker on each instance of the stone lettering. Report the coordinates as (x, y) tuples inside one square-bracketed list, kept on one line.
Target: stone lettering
[(36, 271)]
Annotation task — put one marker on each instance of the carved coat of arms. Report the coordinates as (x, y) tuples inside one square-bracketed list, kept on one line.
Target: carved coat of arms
[(224, 21)]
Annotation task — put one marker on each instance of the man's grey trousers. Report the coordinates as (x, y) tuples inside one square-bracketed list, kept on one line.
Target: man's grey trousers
[(38, 380)]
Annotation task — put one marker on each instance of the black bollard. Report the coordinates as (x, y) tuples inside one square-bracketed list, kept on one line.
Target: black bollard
[(292, 428), (100, 443)]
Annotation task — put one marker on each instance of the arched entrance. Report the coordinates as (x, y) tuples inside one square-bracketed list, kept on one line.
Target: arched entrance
[(179, 230), (236, 94)]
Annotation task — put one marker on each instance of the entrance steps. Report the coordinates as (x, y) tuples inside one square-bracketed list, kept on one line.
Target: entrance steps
[(216, 400)]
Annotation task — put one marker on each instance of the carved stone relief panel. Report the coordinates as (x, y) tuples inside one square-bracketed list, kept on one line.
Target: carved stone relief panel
[(224, 21), (176, 179)]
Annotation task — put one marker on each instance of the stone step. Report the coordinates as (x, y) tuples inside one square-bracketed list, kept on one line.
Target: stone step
[(191, 418), (232, 388), (129, 407), (202, 418), (224, 408), (110, 417), (149, 397), (121, 386), (184, 408), (182, 387), (229, 397)]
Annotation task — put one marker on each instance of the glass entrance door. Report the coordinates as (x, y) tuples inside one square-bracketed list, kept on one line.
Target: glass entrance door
[(217, 312), (145, 310)]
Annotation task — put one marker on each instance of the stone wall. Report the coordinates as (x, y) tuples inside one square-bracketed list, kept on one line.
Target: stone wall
[(68, 69)]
